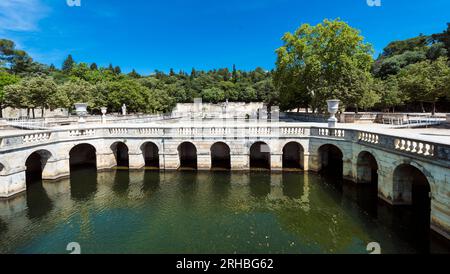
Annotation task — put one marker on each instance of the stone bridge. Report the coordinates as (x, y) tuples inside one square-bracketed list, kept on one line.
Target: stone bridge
[(399, 166)]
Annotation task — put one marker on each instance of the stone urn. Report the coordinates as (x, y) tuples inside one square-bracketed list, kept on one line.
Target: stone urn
[(81, 110), (333, 108), (104, 110)]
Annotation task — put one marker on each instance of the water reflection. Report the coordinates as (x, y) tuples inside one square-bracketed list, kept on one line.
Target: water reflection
[(121, 181), (38, 202), (221, 184), (292, 187), (83, 183), (202, 212), (259, 183), (3, 227), (187, 186), (152, 179)]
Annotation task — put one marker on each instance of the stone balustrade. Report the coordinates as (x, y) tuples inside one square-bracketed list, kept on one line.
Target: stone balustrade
[(416, 148)]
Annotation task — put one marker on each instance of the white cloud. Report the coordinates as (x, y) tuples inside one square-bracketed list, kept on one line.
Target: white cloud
[(21, 15)]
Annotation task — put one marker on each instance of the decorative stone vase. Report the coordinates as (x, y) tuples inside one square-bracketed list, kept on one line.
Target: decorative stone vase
[(81, 110), (104, 110), (333, 107)]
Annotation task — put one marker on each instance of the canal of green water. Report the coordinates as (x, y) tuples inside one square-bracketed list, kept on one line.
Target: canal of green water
[(125, 211)]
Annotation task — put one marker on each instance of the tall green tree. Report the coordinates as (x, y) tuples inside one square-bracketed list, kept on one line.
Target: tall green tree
[(68, 64), (326, 61), (6, 79), (426, 82)]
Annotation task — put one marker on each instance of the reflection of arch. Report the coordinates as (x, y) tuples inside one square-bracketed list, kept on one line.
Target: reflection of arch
[(188, 155), (35, 164), (331, 159), (83, 155), (293, 155), (150, 151), (260, 155), (120, 150), (220, 156), (367, 168), (411, 185)]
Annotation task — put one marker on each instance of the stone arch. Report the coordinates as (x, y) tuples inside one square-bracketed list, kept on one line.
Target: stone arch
[(188, 155), (220, 156), (150, 152), (2, 169), (293, 155), (331, 159), (120, 150), (35, 164), (367, 168), (411, 184), (260, 155), (83, 155)]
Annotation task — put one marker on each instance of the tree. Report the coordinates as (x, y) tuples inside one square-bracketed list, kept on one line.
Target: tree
[(117, 70), (68, 64), (31, 93), (389, 93), (128, 92), (444, 38), (93, 66), (426, 81), (234, 74), (77, 91), (134, 74), (213, 95), (316, 63), (5, 80)]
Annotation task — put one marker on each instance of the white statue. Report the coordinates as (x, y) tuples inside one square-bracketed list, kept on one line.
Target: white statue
[(124, 110)]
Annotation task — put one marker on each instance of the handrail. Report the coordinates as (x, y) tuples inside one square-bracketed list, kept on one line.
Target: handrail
[(410, 146)]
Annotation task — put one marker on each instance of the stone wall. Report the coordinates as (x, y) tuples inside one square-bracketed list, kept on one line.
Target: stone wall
[(12, 113)]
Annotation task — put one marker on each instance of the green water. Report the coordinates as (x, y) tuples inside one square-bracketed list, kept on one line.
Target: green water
[(207, 212)]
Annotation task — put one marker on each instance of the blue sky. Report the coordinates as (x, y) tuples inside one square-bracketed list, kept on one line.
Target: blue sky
[(181, 34)]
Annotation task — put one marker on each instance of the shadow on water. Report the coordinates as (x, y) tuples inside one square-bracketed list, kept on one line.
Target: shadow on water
[(221, 184), (38, 202), (411, 224), (3, 227), (187, 187), (292, 186), (83, 183), (152, 179), (259, 183), (121, 181)]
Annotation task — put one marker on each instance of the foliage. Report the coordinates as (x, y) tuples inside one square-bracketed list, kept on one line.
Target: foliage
[(326, 61)]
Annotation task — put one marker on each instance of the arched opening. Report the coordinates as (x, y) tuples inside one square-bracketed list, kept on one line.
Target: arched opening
[(331, 160), (83, 156), (188, 155), (120, 151), (367, 168), (411, 187), (293, 156), (151, 155), (35, 164), (220, 156), (260, 156)]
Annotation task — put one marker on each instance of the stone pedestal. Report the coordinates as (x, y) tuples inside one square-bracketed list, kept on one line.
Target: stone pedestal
[(56, 169), (13, 183), (203, 162), (105, 160), (136, 160), (276, 162)]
